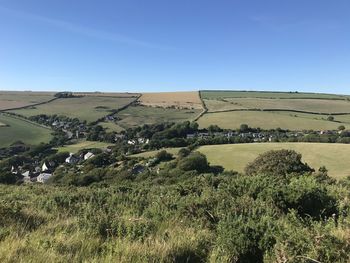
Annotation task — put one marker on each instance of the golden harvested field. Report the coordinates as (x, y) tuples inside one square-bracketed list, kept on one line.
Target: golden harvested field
[(107, 94), (189, 100), (16, 99), (271, 120), (236, 156)]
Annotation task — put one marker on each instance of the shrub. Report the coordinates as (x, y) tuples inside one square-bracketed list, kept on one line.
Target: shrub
[(195, 161), (281, 163)]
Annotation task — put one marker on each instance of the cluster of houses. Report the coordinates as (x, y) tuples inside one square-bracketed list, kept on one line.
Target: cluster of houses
[(42, 173), (67, 127), (256, 136), (262, 136)]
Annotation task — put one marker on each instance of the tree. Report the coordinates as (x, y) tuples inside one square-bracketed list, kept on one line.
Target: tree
[(330, 118), (341, 128), (164, 156), (244, 128), (194, 162), (281, 162)]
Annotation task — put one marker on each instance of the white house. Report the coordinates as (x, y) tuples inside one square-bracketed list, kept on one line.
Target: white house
[(43, 177), (26, 174), (44, 167), (71, 159), (88, 155)]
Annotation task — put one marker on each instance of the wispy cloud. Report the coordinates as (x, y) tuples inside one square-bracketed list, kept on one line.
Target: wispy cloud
[(276, 24), (85, 31)]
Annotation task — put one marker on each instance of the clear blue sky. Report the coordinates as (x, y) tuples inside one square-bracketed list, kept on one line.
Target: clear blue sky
[(163, 45)]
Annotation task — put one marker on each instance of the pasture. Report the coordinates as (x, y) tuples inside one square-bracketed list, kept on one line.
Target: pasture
[(21, 130), (181, 100), (88, 108), (149, 154), (270, 120), (207, 94), (82, 144), (17, 99), (111, 126), (236, 156), (308, 105), (134, 116)]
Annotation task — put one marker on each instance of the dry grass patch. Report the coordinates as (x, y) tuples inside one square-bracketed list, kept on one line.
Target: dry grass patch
[(17, 99), (189, 99)]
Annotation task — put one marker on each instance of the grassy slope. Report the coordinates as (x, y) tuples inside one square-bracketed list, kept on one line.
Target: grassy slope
[(14, 99), (270, 120), (258, 94), (82, 145), (236, 156), (137, 115), (83, 108), (173, 151), (309, 105), (111, 126), (21, 130)]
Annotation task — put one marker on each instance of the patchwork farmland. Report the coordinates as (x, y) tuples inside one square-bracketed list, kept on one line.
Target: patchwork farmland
[(269, 110)]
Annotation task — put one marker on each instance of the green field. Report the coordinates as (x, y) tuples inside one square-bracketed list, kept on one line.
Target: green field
[(138, 115), (111, 126), (265, 94), (271, 120), (74, 148), (22, 130), (149, 154), (15, 99), (236, 156), (308, 105), (89, 108)]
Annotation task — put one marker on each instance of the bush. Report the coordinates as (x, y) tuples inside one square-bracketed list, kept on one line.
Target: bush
[(280, 163), (194, 162)]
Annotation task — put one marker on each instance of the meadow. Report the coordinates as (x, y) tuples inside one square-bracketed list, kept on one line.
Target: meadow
[(82, 144), (307, 105), (16, 99), (271, 120), (134, 116), (266, 94), (21, 130), (188, 100), (236, 156), (89, 108)]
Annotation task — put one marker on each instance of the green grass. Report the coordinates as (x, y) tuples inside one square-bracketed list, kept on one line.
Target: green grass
[(309, 105), (261, 94), (22, 130), (89, 108), (111, 126), (74, 148), (149, 154), (236, 156), (139, 115), (271, 120)]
